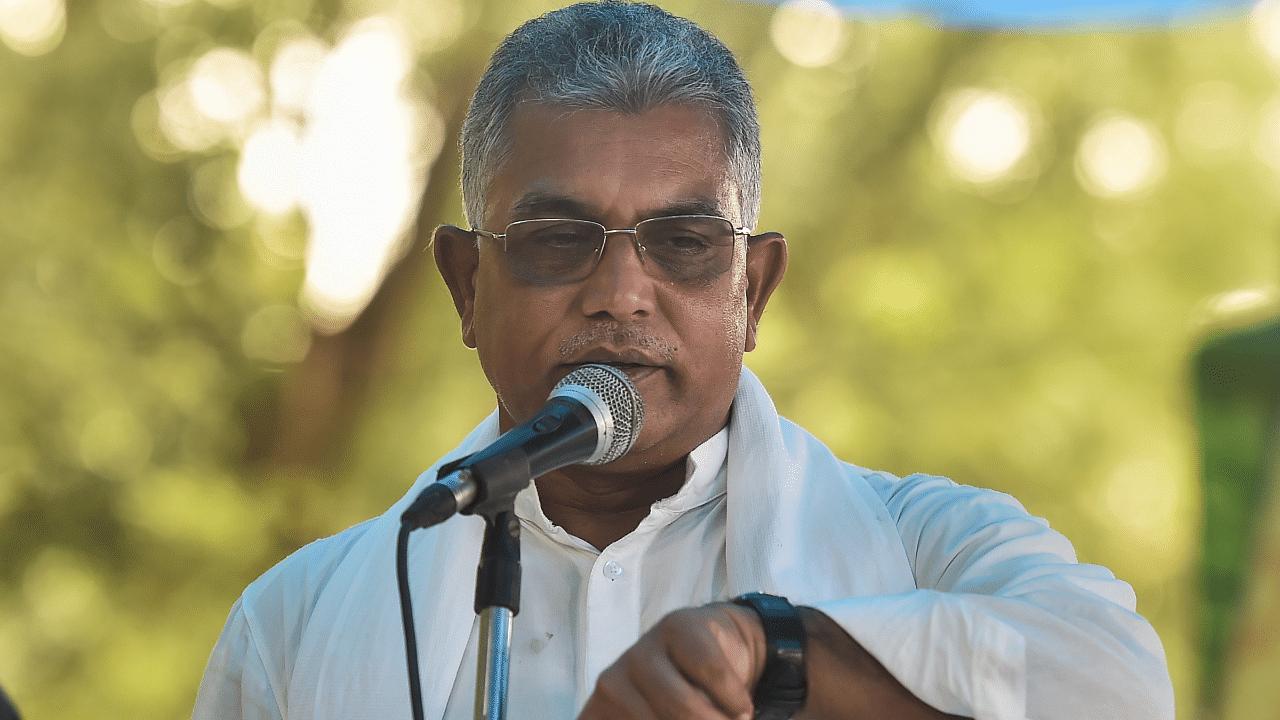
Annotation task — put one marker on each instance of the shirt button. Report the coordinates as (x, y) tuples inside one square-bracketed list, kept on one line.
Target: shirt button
[(613, 570)]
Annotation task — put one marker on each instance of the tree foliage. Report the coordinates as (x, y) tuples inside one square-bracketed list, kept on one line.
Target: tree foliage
[(1023, 333)]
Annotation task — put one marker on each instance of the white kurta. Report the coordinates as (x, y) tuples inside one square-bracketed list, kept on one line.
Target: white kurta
[(975, 606)]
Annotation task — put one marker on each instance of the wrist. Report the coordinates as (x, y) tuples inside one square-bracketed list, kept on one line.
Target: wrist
[(781, 683)]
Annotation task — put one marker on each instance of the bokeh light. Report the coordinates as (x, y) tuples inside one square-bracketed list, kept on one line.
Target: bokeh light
[(276, 333), (194, 196), (1242, 302), (268, 170), (226, 85), (1264, 22), (1212, 122), (66, 593), (115, 443), (1267, 142), (293, 71), (32, 27), (182, 122), (809, 33), (984, 134), (360, 171), (1118, 156)]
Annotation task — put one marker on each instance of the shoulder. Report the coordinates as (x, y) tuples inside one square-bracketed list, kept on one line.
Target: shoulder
[(250, 666), (947, 528), (933, 497), (284, 597), (913, 494)]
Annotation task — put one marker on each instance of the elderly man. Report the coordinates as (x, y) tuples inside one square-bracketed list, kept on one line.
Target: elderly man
[(611, 169)]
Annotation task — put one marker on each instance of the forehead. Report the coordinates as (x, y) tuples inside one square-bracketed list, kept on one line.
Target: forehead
[(615, 168)]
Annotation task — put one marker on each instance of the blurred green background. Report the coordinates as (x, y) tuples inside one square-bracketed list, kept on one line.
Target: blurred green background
[(222, 339)]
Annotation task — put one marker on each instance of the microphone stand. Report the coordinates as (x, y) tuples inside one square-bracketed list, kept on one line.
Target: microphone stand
[(497, 598), (497, 602), (588, 398)]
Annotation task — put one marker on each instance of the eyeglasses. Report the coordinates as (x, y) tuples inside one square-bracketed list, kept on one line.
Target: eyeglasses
[(683, 248)]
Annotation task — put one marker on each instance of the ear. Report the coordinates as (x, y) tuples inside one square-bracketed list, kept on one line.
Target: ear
[(458, 259), (766, 264)]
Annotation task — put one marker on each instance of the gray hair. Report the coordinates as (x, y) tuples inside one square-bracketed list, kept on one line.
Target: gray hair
[(620, 56)]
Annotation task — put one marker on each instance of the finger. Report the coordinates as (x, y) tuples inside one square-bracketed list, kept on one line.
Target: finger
[(616, 698), (668, 691), (712, 655)]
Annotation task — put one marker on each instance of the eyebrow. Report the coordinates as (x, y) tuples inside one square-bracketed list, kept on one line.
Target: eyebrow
[(538, 204)]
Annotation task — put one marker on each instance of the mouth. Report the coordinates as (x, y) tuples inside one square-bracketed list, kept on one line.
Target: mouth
[(634, 363)]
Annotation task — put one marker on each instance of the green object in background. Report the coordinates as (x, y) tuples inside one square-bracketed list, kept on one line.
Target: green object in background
[(1237, 381)]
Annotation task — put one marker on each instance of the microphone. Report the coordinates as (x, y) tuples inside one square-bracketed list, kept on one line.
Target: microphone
[(592, 417)]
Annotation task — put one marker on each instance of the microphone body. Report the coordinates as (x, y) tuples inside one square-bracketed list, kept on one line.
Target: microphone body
[(592, 417)]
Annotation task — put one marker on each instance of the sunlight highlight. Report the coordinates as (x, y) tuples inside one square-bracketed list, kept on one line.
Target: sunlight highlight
[(182, 123), (268, 169), (984, 134), (360, 170), (1120, 156), (32, 27), (226, 86), (1264, 24), (1244, 301), (809, 33), (293, 72)]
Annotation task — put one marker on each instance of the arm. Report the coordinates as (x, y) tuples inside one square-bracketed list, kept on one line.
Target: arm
[(703, 663), (1005, 624), (845, 681)]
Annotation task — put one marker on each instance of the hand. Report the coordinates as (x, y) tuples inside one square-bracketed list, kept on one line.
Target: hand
[(698, 663)]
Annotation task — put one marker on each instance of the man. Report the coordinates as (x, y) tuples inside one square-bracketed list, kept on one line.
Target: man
[(611, 177)]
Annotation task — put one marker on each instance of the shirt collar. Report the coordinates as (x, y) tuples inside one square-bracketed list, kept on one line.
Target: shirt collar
[(704, 476), (704, 481)]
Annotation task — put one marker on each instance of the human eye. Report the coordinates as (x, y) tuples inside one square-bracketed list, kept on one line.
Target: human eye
[(551, 251), (680, 239), (688, 244), (575, 237), (688, 248), (686, 238)]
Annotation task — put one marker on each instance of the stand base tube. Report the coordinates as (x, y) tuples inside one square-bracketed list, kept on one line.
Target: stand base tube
[(494, 667)]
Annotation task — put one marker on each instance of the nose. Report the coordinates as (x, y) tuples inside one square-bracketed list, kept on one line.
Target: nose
[(619, 287)]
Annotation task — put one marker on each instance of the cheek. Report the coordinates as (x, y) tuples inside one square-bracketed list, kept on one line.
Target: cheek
[(735, 315), (733, 320), (715, 336)]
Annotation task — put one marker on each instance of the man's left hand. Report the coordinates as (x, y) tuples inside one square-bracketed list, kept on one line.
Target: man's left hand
[(699, 663)]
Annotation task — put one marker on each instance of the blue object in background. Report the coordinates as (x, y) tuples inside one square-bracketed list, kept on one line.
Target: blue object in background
[(1056, 14)]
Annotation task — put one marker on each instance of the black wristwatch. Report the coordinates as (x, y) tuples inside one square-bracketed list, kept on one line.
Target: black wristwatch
[(783, 685)]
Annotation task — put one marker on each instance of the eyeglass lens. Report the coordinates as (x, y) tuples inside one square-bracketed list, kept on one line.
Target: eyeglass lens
[(686, 248)]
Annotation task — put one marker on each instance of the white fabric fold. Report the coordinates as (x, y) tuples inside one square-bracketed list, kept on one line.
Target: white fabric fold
[(975, 606)]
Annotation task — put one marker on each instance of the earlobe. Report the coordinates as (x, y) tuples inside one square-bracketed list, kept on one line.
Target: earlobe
[(766, 264), (458, 259)]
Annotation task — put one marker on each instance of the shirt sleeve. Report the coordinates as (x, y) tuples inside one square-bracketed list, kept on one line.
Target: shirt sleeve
[(236, 684), (1005, 624)]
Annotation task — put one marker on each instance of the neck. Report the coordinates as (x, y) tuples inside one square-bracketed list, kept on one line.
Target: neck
[(602, 507)]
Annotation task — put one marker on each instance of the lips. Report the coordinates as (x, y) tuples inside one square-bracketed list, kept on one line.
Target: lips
[(635, 363)]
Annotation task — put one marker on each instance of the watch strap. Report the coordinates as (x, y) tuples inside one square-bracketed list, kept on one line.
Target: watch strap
[(783, 685)]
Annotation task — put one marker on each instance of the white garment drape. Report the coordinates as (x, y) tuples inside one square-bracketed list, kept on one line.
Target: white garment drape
[(976, 607)]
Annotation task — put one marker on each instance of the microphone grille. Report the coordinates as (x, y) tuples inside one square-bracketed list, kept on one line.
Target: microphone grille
[(624, 404)]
